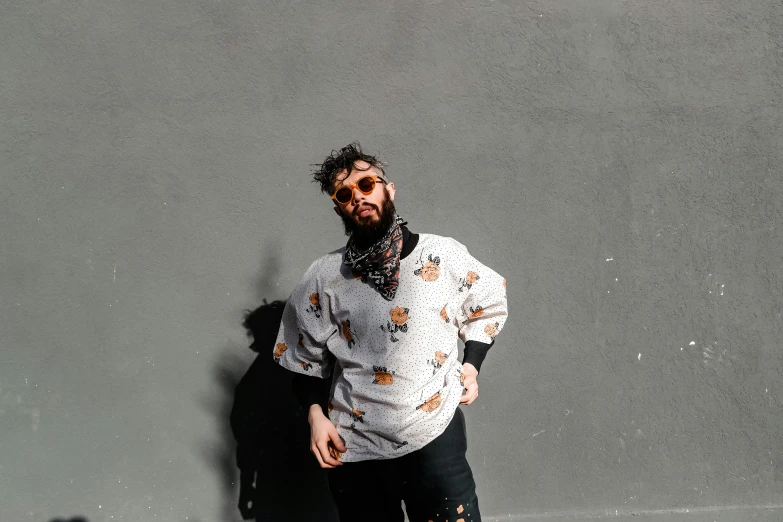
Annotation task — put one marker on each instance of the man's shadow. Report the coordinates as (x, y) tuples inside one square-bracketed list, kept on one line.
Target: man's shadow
[(280, 480)]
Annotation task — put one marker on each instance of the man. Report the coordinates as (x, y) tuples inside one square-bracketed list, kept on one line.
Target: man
[(381, 317)]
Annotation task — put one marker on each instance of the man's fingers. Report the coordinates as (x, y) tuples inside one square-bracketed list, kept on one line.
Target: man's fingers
[(337, 441), (327, 458), (469, 393), (317, 454), (321, 452)]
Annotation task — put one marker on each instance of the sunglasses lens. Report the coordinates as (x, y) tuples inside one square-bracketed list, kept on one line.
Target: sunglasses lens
[(343, 195), (366, 185)]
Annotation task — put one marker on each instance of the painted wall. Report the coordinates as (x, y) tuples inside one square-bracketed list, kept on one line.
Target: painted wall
[(618, 161)]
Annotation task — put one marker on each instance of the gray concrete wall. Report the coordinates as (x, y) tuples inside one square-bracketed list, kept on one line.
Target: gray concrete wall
[(618, 161)]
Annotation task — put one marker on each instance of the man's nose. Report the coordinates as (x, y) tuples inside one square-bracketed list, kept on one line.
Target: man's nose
[(356, 195)]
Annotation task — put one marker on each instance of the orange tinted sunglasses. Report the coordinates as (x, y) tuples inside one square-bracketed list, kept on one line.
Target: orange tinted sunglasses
[(366, 185)]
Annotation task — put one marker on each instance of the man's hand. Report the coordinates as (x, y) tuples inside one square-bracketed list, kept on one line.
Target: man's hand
[(323, 434), (470, 391)]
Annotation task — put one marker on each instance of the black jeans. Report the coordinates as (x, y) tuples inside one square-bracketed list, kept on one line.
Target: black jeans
[(435, 482)]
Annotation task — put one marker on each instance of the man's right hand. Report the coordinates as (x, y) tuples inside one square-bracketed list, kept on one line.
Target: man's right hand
[(322, 435)]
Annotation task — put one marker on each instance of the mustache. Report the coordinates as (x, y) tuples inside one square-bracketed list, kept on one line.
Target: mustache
[(363, 206)]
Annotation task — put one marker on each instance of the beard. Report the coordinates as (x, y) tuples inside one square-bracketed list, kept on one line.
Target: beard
[(365, 232)]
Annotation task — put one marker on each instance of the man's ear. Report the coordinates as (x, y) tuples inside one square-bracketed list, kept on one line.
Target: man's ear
[(390, 189), (338, 211)]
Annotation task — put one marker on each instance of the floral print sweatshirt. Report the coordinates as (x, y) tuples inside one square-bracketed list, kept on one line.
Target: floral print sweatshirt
[(397, 380)]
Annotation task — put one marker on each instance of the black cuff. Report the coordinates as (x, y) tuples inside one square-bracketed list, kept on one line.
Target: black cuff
[(311, 390), (475, 351)]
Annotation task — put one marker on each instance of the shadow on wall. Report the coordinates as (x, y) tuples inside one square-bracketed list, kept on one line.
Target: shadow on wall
[(219, 453), (74, 519), (279, 479)]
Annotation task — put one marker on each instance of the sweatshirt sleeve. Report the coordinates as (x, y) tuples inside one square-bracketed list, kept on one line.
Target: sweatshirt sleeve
[(480, 300), (306, 328)]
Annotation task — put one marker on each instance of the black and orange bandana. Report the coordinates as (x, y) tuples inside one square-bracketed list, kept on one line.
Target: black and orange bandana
[(379, 264)]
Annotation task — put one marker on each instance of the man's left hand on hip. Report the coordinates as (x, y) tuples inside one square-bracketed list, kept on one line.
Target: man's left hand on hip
[(470, 391)]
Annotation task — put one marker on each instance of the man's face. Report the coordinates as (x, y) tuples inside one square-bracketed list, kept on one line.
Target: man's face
[(365, 214)]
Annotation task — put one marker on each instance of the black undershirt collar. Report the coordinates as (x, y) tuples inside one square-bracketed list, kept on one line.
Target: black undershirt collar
[(409, 242)]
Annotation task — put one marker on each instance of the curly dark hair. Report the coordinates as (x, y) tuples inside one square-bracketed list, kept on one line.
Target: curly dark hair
[(344, 159)]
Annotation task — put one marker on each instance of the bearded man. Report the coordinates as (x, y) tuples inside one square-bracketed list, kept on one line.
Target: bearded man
[(372, 331)]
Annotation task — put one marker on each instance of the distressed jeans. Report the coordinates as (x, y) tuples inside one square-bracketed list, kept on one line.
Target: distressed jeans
[(435, 483)]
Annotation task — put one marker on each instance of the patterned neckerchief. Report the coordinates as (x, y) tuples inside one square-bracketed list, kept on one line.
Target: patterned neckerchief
[(380, 263)]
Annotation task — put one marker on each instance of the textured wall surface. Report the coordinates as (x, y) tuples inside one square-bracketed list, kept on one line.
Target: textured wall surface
[(619, 161)]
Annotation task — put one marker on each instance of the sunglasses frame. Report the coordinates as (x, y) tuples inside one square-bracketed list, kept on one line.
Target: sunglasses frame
[(353, 186)]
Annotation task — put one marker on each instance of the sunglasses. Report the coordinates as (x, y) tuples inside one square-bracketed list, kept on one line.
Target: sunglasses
[(366, 185)]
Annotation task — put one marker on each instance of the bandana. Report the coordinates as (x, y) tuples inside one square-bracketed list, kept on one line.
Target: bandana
[(380, 263)]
